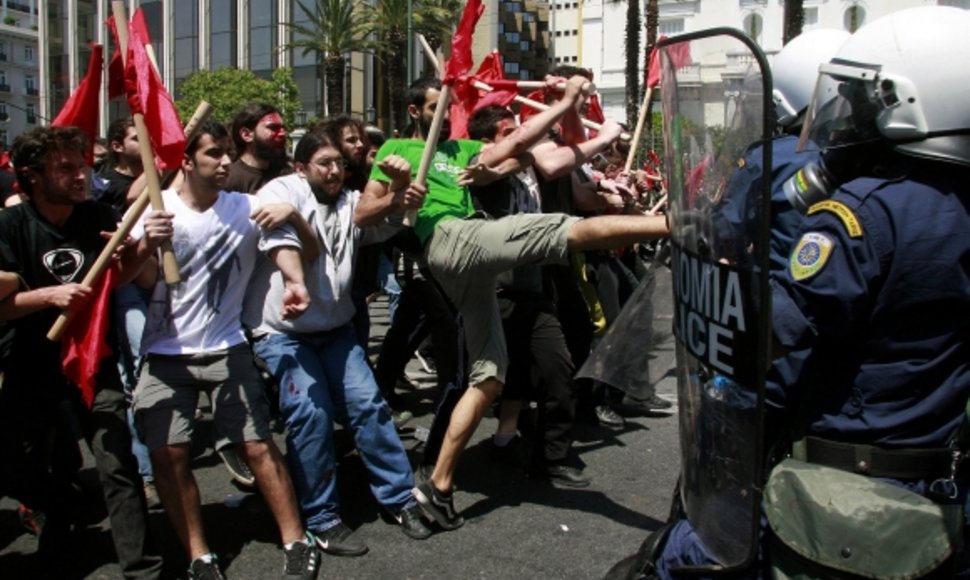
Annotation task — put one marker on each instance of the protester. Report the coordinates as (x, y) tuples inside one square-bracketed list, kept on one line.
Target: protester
[(50, 242), (465, 256), (259, 136), (122, 167), (194, 342), (317, 355)]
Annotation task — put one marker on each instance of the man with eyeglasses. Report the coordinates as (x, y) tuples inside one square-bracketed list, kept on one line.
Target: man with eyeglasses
[(316, 358)]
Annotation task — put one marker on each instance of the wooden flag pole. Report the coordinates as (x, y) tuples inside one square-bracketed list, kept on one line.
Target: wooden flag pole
[(638, 132), (134, 212), (169, 265)]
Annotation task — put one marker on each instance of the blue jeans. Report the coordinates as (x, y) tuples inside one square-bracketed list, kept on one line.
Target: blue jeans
[(131, 305), (324, 377)]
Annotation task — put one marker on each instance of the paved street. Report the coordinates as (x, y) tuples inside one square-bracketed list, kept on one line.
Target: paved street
[(515, 527)]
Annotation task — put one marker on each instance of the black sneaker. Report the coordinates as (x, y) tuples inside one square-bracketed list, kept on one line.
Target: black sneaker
[(410, 521), (653, 403), (607, 417), (562, 475), (301, 561), (437, 506), (514, 453), (340, 541), (199, 569), (237, 467)]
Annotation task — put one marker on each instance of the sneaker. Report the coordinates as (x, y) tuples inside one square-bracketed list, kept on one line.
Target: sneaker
[(437, 506), (301, 560), (31, 520), (401, 418), (340, 541), (237, 467), (410, 521), (607, 417), (427, 364), (199, 569), (151, 496), (562, 475), (651, 403)]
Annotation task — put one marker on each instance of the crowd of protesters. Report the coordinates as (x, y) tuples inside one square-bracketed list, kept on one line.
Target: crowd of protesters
[(278, 257)]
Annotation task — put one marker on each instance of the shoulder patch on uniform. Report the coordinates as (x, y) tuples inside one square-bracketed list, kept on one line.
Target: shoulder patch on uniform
[(841, 211), (741, 162), (810, 255)]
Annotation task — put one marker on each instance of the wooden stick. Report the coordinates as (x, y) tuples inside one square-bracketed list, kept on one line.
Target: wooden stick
[(430, 144), (641, 121), (169, 265), (659, 204), (507, 84), (134, 212), (542, 107)]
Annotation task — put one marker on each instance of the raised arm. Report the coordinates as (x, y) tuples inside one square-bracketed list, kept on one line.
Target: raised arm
[(553, 160), (381, 198)]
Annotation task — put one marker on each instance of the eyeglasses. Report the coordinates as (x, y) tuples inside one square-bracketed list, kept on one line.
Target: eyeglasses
[(326, 162)]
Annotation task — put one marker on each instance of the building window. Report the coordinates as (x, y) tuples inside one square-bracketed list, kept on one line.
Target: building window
[(513, 7), (575, 58), (29, 54), (3, 112), (512, 37), (559, 33), (525, 45), (186, 35), (3, 139), (222, 34), (3, 50), (955, 3), (810, 16), (671, 27), (30, 85), (501, 27), (528, 17), (31, 114), (855, 16), (753, 26), (512, 68)]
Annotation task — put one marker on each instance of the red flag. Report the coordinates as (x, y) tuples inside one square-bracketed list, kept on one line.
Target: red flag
[(84, 345), (147, 95), (463, 95), (679, 55), (594, 112), (81, 109), (138, 23), (116, 68), (492, 73), (538, 95)]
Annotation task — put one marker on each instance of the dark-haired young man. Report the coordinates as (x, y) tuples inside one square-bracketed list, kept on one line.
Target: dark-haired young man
[(194, 341), (122, 167), (49, 243)]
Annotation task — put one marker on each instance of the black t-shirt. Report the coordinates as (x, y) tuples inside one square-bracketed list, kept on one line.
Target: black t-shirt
[(111, 187), (248, 179), (43, 254), (7, 180)]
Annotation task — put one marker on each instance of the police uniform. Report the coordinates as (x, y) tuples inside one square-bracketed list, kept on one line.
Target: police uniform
[(879, 286)]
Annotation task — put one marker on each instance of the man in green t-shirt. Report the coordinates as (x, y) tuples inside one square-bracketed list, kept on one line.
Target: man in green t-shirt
[(466, 253)]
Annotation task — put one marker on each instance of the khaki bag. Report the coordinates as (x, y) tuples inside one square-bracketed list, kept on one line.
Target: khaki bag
[(829, 523)]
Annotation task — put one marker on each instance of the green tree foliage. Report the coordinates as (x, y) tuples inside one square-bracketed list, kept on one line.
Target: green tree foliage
[(230, 89)]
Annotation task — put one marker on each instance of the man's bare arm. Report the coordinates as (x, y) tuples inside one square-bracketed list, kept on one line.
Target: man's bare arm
[(553, 160)]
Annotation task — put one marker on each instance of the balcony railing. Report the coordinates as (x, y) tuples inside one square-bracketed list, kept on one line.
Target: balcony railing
[(32, 91), (4, 88)]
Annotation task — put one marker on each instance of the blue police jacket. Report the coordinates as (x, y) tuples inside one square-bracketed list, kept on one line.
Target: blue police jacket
[(878, 285)]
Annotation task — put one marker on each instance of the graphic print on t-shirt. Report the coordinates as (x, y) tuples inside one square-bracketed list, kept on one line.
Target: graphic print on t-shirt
[(64, 263)]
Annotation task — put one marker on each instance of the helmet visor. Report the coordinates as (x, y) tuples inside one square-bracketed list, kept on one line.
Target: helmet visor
[(843, 109)]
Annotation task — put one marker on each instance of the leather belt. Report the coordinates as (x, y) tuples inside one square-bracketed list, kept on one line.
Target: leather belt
[(878, 462)]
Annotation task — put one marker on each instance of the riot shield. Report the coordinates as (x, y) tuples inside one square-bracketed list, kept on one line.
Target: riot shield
[(716, 105)]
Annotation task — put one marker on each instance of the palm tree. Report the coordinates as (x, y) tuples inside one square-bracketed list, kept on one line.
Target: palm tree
[(632, 61), (333, 29), (794, 19), (433, 18)]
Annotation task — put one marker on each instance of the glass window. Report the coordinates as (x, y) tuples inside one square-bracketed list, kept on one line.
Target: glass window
[(223, 30), (28, 54), (30, 82), (512, 68), (512, 37), (528, 17), (525, 45), (3, 77), (186, 31), (671, 27), (262, 34), (513, 7), (955, 3), (855, 16)]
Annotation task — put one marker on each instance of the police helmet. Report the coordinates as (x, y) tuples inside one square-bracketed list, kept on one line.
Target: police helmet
[(795, 69), (899, 81)]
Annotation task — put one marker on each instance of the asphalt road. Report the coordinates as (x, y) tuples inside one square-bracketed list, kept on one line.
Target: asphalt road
[(515, 527)]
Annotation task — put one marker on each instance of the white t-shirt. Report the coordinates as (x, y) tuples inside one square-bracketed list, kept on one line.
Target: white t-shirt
[(329, 278), (216, 251)]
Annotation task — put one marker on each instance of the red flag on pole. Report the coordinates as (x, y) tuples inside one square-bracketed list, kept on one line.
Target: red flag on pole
[(84, 343), (491, 72), (81, 109), (679, 55), (147, 95), (116, 68), (464, 95)]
